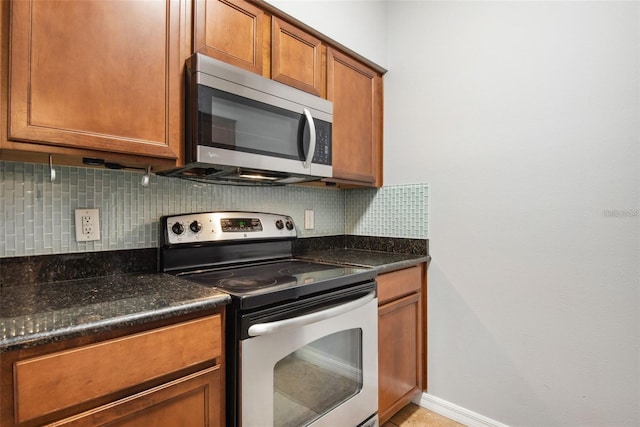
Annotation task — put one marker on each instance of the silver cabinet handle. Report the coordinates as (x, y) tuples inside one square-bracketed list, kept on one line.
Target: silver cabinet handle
[(273, 327), (312, 138)]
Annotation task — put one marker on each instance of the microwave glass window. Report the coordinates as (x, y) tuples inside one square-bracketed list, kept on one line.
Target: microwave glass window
[(232, 122), (316, 378)]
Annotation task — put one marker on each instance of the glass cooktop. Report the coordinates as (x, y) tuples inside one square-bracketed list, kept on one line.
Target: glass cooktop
[(266, 283)]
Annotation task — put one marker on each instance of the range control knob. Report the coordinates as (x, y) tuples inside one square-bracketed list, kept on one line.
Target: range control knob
[(279, 224), (289, 225), (195, 226), (177, 228)]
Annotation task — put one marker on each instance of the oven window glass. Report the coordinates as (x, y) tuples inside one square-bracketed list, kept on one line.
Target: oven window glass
[(316, 378)]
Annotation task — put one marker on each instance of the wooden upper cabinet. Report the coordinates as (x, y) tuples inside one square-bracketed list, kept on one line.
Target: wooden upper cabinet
[(98, 75), (296, 57), (356, 93), (232, 31)]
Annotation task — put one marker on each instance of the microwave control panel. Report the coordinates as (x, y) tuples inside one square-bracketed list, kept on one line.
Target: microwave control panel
[(322, 154)]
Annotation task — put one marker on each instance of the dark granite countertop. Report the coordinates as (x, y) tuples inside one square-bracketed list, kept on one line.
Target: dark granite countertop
[(50, 298), (37, 314), (383, 262)]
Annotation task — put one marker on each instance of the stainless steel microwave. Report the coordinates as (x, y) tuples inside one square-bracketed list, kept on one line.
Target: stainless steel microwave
[(243, 128)]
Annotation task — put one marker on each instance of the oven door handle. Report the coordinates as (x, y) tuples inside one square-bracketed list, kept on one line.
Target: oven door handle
[(273, 327)]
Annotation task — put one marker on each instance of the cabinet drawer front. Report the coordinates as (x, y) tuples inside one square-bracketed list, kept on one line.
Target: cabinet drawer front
[(60, 380), (188, 401), (398, 283)]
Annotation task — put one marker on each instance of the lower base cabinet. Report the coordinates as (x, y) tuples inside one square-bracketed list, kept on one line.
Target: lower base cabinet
[(188, 401), (169, 373), (400, 339)]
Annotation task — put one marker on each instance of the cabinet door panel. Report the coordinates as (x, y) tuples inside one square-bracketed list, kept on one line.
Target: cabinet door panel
[(231, 31), (97, 75), (60, 380), (356, 92), (296, 57), (399, 283), (399, 373), (190, 401)]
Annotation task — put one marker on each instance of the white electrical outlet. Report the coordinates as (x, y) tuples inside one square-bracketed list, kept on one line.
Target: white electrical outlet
[(309, 219), (87, 225)]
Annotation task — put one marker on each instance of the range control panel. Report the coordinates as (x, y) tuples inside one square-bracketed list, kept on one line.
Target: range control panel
[(225, 226)]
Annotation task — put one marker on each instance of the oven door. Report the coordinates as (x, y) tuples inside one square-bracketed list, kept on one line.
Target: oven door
[(318, 368)]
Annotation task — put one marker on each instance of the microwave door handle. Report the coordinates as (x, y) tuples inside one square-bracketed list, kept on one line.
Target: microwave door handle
[(312, 138), (273, 327)]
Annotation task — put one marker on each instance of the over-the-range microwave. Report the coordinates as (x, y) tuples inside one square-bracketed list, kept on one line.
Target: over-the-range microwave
[(243, 128)]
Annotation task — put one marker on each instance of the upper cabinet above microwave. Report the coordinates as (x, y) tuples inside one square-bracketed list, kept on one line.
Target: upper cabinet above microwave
[(297, 58), (95, 79), (239, 33), (232, 31), (260, 38)]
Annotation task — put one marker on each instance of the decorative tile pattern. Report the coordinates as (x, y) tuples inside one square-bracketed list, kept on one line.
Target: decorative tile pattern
[(37, 216), (394, 211)]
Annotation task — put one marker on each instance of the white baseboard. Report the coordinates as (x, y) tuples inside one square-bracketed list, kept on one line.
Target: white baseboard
[(455, 412)]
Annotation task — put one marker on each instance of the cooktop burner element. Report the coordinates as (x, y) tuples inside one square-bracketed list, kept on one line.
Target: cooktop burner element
[(267, 282), (245, 283)]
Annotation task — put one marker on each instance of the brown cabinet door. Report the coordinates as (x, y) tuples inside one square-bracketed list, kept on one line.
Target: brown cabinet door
[(190, 401), (232, 31), (399, 356), (53, 382), (296, 57), (98, 75), (356, 92)]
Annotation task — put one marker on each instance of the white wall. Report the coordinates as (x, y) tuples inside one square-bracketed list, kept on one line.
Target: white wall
[(523, 117)]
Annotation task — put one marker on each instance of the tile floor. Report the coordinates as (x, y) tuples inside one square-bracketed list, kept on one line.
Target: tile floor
[(414, 416)]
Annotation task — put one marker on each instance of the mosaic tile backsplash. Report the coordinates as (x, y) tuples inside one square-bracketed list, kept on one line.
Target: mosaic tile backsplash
[(395, 211), (37, 216)]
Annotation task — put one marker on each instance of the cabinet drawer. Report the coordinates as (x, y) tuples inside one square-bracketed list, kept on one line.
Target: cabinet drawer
[(193, 400), (63, 379), (398, 283)]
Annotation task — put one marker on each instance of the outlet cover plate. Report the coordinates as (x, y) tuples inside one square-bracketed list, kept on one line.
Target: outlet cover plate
[(309, 219), (87, 225)]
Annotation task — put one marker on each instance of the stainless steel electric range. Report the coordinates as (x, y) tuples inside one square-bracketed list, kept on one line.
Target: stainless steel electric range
[(301, 336)]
